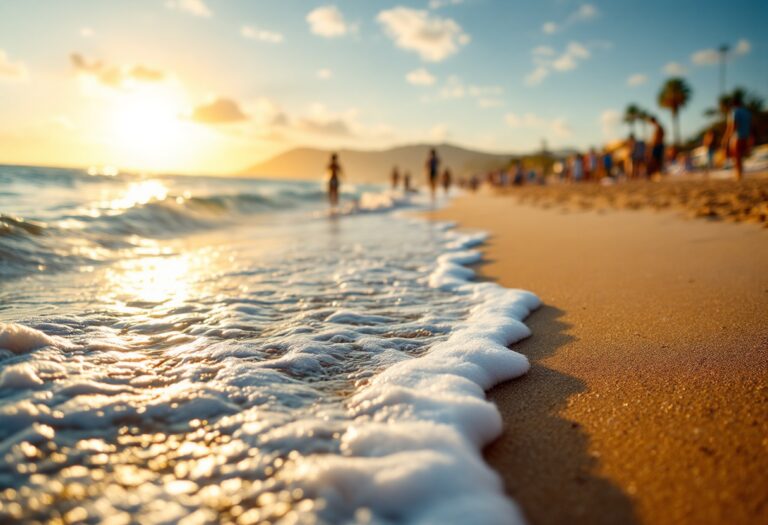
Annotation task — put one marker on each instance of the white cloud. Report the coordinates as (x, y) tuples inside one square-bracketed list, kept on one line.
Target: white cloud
[(437, 4), (324, 74), (537, 75), (638, 79), (486, 96), (327, 21), (432, 37), (546, 60), (549, 28), (12, 70), (708, 57), (262, 35), (610, 122), (558, 126), (674, 68), (439, 132), (87, 32), (193, 7), (584, 13), (420, 77), (743, 47), (705, 57)]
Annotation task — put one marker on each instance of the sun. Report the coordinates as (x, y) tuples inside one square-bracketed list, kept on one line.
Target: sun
[(149, 131)]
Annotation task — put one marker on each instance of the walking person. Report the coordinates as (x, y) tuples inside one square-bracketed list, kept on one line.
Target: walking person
[(432, 168), (447, 180), (738, 133), (656, 164), (334, 180)]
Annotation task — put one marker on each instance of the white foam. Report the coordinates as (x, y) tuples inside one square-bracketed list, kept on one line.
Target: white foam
[(415, 449), (21, 339)]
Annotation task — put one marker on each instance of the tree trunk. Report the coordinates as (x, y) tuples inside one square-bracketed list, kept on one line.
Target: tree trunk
[(676, 125)]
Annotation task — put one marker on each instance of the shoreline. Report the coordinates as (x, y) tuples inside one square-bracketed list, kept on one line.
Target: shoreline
[(646, 401)]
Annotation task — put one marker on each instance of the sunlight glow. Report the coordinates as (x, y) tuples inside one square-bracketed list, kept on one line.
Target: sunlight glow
[(148, 126)]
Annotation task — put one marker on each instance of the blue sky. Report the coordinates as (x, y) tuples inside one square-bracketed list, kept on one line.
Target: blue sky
[(213, 85)]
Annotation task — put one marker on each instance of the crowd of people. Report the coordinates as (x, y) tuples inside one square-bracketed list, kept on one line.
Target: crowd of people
[(633, 159)]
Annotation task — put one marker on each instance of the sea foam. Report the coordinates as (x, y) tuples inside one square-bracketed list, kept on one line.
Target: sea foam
[(323, 370)]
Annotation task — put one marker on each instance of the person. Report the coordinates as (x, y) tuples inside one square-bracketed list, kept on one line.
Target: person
[(656, 164), (577, 165), (607, 163), (407, 182), (737, 134), (395, 178), (629, 161), (638, 158), (334, 180), (447, 180), (708, 142), (433, 169)]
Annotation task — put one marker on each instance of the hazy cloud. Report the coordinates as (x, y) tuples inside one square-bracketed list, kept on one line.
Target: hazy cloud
[(638, 79), (218, 111), (115, 77), (743, 47), (547, 60), (262, 35), (420, 77), (324, 74), (327, 21), (610, 123), (705, 57), (708, 57), (432, 37), (486, 96), (10, 70), (439, 132), (558, 126), (582, 14), (87, 32), (193, 7), (674, 69), (437, 4)]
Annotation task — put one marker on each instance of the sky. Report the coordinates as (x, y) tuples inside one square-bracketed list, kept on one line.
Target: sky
[(213, 86)]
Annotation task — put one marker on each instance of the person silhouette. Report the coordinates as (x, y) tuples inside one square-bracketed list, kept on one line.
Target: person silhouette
[(334, 179), (395, 178), (433, 169), (447, 180)]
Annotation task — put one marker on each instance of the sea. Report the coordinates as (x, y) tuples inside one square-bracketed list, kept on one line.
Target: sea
[(179, 349)]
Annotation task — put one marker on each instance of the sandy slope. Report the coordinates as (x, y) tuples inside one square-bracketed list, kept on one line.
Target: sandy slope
[(648, 396)]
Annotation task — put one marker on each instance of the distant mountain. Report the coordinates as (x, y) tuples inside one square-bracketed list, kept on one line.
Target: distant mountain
[(376, 166)]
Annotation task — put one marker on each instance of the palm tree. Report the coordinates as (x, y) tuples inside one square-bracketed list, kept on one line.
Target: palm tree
[(752, 102), (631, 114), (674, 95)]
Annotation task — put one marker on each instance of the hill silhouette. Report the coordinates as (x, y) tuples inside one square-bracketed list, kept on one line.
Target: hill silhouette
[(376, 165)]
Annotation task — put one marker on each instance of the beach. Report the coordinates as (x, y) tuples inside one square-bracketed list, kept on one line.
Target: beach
[(647, 398)]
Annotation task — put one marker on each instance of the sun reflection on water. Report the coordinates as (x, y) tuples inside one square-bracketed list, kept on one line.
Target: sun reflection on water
[(155, 280)]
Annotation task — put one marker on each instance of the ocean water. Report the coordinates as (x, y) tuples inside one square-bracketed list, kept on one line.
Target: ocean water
[(207, 350)]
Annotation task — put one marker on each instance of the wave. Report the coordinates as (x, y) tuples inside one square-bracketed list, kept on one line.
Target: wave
[(28, 245)]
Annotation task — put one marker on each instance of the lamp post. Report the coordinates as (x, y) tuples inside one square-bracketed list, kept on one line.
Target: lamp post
[(723, 50)]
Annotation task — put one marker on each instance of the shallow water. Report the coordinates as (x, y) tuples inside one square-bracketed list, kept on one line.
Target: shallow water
[(224, 351)]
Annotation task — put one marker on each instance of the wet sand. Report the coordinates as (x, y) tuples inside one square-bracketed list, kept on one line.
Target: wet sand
[(647, 400)]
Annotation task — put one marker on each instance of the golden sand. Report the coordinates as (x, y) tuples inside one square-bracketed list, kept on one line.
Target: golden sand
[(647, 401)]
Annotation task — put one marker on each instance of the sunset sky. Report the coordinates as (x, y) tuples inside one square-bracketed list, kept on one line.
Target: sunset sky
[(212, 86)]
